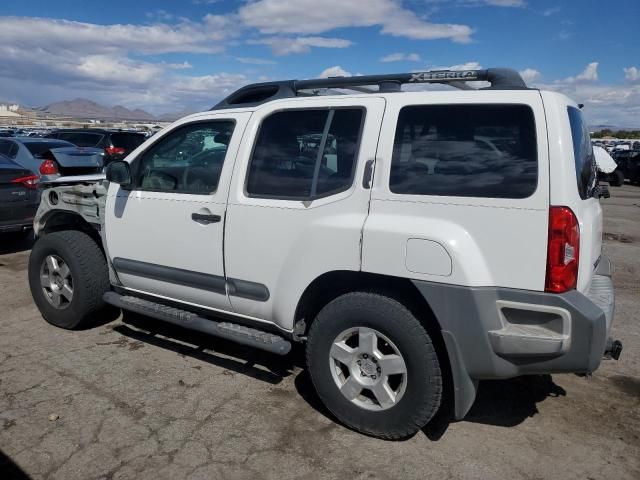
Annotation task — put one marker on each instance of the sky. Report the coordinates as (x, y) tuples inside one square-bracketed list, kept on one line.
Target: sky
[(170, 56)]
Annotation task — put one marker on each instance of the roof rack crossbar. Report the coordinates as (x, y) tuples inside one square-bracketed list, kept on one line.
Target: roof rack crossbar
[(258, 93)]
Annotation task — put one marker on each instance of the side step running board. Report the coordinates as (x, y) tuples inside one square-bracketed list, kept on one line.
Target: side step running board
[(231, 331)]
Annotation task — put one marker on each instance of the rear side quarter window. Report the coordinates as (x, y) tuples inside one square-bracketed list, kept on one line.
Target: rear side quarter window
[(479, 150), (582, 153)]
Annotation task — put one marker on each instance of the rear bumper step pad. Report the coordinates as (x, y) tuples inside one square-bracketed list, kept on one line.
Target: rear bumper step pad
[(230, 331)]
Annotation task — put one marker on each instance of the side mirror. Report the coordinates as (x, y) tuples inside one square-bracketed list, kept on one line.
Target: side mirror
[(119, 172)]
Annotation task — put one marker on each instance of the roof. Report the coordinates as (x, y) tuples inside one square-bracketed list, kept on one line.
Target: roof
[(259, 93)]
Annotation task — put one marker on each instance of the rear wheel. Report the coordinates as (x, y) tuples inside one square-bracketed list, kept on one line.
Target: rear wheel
[(68, 276), (374, 366)]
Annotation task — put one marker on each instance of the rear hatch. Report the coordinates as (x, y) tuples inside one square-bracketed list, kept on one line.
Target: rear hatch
[(77, 160), (123, 143), (128, 141)]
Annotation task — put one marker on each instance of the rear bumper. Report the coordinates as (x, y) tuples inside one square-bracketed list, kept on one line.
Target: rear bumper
[(502, 333)]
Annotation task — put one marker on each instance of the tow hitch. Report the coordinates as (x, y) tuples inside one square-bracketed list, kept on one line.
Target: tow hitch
[(614, 350)]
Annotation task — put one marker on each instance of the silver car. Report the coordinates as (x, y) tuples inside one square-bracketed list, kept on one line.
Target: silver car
[(27, 151)]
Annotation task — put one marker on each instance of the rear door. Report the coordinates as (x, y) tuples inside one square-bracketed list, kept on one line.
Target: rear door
[(165, 234), (297, 203)]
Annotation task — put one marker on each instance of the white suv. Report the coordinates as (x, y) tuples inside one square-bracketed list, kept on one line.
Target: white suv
[(416, 241)]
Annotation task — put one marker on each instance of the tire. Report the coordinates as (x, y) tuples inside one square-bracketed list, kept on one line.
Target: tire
[(418, 391), (87, 278), (616, 178)]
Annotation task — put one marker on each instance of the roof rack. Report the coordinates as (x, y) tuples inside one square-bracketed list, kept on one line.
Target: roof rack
[(259, 93)]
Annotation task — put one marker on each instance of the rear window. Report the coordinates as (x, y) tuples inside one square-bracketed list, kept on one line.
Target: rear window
[(38, 148), (128, 141), (465, 151), (6, 147), (582, 153), (82, 139)]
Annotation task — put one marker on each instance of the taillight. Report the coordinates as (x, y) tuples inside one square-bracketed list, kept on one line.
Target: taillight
[(30, 181), (114, 150), (563, 250), (48, 167)]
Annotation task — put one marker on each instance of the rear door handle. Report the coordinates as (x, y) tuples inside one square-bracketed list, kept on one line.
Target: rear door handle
[(205, 218), (368, 174)]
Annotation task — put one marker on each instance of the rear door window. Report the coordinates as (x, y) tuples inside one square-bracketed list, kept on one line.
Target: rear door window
[(128, 141), (465, 151), (305, 154), (582, 153)]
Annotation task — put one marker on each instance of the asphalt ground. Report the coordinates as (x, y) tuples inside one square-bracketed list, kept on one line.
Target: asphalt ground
[(138, 399)]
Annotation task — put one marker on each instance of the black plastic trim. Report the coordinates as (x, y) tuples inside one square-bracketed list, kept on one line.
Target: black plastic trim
[(187, 278), (258, 93), (249, 290), (203, 281), (205, 218)]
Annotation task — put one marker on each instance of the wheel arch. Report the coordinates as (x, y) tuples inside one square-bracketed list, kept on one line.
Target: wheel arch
[(58, 220)]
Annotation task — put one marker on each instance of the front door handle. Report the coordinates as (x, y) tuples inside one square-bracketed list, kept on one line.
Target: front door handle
[(205, 218)]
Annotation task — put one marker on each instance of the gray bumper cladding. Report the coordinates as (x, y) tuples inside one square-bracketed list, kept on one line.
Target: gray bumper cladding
[(530, 330), (502, 333)]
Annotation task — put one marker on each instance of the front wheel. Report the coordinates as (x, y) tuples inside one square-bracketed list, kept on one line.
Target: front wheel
[(374, 365), (68, 276)]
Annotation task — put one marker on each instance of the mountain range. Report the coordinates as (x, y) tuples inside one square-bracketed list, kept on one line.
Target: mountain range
[(84, 108)]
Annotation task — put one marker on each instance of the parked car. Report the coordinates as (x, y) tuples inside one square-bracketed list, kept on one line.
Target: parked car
[(19, 197), (28, 151), (116, 144), (403, 267), (629, 163)]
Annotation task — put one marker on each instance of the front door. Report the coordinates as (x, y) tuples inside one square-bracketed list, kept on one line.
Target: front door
[(165, 233)]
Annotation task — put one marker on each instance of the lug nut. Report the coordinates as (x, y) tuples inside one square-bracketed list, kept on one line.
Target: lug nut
[(379, 369), (373, 377), (359, 362), (364, 355)]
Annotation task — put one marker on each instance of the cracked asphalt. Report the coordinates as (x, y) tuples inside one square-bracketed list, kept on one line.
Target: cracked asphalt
[(137, 399)]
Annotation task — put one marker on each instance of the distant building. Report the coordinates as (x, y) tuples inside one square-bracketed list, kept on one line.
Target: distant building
[(9, 107)]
